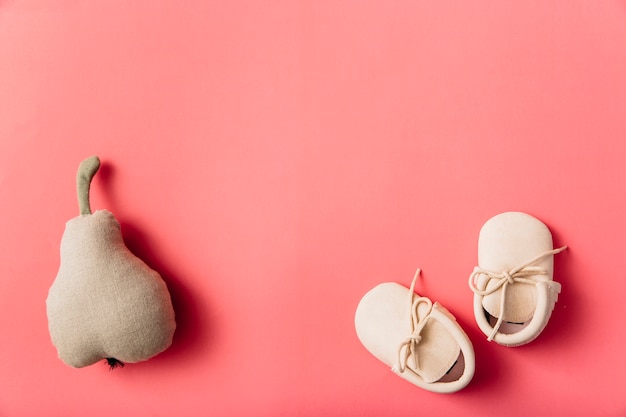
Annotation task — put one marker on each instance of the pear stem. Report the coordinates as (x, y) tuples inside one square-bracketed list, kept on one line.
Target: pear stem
[(86, 170), (114, 363)]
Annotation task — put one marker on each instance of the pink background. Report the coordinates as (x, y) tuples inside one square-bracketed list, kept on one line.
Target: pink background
[(276, 160)]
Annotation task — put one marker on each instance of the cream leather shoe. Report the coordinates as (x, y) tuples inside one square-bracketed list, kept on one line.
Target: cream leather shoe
[(514, 293), (419, 340)]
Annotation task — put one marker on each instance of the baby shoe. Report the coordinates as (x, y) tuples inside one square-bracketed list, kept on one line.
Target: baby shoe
[(514, 293), (421, 341)]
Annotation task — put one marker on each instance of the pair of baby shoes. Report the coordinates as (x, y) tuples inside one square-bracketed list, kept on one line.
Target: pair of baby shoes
[(514, 295)]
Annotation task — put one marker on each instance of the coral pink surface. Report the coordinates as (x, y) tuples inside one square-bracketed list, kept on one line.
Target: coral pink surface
[(276, 160)]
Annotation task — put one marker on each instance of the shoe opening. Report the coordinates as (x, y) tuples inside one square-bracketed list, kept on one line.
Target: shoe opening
[(507, 327), (456, 371)]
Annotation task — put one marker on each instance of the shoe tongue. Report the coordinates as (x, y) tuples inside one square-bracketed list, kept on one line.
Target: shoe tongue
[(521, 301), (437, 351)]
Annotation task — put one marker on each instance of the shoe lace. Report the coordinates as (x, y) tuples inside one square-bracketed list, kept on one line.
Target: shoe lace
[(408, 348), (521, 274)]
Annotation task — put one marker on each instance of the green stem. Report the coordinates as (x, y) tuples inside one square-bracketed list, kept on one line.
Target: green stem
[(86, 170)]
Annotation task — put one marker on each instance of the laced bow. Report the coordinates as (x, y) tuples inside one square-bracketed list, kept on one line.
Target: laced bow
[(521, 274), (409, 347)]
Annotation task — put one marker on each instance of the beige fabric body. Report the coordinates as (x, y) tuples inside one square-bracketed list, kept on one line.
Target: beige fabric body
[(105, 302)]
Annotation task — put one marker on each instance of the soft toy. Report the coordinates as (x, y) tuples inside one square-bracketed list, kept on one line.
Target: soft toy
[(105, 303)]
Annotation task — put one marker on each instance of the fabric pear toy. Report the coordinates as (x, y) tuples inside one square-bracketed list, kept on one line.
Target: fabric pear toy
[(105, 303)]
